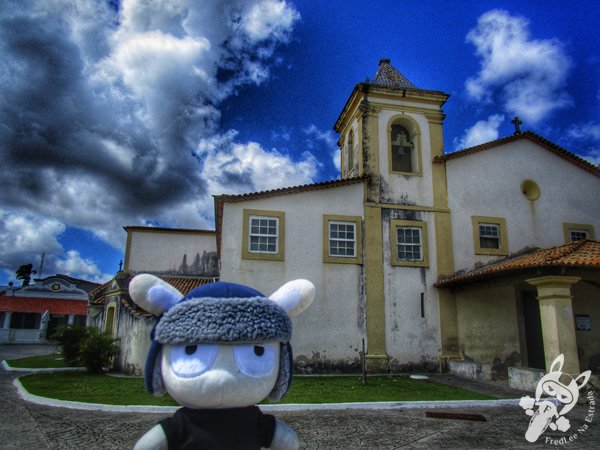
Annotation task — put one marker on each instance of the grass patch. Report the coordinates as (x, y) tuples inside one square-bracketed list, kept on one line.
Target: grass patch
[(105, 389), (53, 361), (92, 388), (379, 389)]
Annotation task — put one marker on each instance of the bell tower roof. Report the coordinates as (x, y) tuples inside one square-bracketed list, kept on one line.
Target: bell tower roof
[(388, 76)]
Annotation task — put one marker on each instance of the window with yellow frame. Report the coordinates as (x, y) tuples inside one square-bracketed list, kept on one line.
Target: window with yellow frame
[(578, 231), (342, 239), (490, 236), (263, 235), (409, 246)]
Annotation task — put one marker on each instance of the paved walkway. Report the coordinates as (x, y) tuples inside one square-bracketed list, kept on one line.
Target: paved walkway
[(28, 426)]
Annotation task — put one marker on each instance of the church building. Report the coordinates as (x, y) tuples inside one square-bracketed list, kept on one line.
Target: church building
[(483, 261), (486, 255)]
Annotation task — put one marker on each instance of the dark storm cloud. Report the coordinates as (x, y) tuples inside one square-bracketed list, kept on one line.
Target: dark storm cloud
[(103, 105), (55, 124)]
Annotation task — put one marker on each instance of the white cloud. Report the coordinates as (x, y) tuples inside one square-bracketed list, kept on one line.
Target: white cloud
[(585, 138), (589, 130), (72, 264), (483, 131), (269, 18), (133, 92), (25, 237), (230, 167), (526, 75), (23, 240), (326, 138)]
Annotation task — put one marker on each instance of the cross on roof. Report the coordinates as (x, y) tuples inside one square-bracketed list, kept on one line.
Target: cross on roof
[(517, 123)]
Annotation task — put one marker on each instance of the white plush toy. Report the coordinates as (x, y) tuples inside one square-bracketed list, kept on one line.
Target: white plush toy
[(218, 352)]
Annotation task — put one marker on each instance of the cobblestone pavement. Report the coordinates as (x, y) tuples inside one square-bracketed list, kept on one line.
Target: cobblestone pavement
[(29, 426)]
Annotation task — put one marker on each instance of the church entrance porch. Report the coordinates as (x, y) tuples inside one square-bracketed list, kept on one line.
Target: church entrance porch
[(515, 314)]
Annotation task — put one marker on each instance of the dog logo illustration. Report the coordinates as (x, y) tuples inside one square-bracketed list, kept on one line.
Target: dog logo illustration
[(556, 394)]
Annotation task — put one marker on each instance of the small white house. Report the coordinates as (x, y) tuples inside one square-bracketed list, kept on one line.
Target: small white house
[(184, 258), (31, 314)]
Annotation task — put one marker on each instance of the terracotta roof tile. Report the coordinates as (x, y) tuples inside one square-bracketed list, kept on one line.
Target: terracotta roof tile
[(290, 190), (186, 284), (39, 305), (182, 284), (584, 253), (170, 230)]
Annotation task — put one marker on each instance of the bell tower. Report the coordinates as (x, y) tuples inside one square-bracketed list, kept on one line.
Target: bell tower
[(391, 133)]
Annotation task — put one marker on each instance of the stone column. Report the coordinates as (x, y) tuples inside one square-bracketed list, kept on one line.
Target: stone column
[(376, 358), (556, 314)]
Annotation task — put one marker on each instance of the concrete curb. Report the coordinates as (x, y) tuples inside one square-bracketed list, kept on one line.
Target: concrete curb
[(25, 395), (10, 368)]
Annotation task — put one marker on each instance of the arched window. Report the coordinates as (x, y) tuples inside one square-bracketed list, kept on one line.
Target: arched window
[(109, 323), (404, 146), (350, 151), (402, 149)]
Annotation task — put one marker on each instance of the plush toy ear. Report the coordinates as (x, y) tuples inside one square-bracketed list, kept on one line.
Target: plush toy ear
[(295, 296), (153, 294)]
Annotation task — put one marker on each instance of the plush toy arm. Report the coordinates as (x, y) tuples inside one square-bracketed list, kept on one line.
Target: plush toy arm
[(154, 439), (284, 438)]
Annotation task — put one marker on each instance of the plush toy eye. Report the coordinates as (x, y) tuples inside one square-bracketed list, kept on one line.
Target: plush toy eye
[(192, 360), (255, 360)]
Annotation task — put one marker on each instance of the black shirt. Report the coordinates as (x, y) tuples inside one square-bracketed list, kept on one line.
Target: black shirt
[(233, 428)]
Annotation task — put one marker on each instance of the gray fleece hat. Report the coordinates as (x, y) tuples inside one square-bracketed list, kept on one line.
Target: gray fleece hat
[(222, 313)]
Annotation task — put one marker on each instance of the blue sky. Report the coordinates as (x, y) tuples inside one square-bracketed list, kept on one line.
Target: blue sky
[(121, 113)]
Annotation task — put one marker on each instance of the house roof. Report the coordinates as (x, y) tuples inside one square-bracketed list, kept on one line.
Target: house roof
[(530, 136), (580, 254), (168, 230), (39, 305), (182, 284), (85, 285), (220, 200), (290, 190), (388, 82), (186, 284)]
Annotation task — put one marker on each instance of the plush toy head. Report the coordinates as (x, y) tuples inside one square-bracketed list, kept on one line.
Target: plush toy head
[(223, 345)]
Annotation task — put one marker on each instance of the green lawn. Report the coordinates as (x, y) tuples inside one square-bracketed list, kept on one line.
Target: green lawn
[(55, 360), (130, 391)]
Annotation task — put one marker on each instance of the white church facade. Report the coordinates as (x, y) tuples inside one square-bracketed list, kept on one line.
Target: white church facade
[(487, 254), (404, 217)]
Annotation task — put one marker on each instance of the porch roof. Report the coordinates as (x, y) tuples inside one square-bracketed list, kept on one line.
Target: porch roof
[(580, 254), (40, 305)]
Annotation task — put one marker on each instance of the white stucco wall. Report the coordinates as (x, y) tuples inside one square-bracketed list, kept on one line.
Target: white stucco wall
[(134, 342), (163, 251), (412, 338), (330, 331), (488, 183)]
